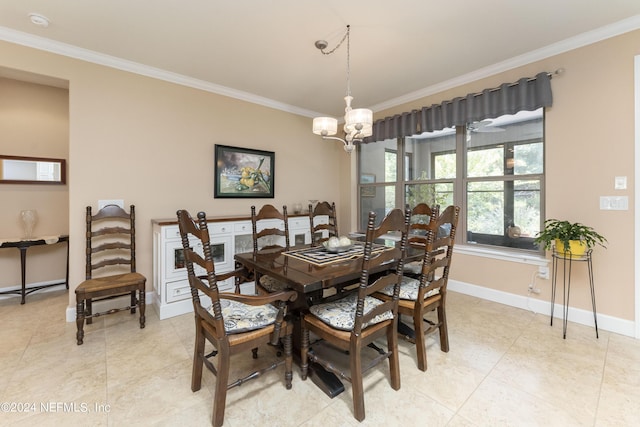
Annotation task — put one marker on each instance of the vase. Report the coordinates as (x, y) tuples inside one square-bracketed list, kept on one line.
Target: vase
[(29, 218), (577, 248)]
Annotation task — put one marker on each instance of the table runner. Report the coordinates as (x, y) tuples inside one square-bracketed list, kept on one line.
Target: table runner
[(320, 256)]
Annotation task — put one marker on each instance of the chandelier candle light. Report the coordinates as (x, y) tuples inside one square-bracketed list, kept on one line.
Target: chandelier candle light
[(358, 123)]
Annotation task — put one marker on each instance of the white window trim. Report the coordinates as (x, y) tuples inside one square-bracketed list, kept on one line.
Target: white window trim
[(485, 252), (503, 255)]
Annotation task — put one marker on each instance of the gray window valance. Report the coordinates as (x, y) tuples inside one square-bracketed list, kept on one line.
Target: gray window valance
[(526, 94)]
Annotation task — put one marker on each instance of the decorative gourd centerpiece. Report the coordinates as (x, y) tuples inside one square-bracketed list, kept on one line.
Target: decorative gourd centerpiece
[(570, 238), (337, 244)]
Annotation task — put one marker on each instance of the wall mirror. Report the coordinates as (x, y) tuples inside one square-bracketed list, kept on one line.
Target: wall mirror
[(32, 170)]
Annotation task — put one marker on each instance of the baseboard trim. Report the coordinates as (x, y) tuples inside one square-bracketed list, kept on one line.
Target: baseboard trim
[(576, 315), (31, 285)]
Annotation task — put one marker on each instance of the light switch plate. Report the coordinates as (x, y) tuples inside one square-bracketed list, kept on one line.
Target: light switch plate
[(103, 203), (614, 203), (620, 183)]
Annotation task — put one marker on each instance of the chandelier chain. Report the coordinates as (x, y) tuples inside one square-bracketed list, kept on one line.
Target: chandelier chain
[(348, 62), (348, 39), (346, 34)]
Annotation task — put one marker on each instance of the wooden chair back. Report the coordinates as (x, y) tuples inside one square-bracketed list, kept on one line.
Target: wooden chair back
[(208, 284), (267, 236), (318, 234), (421, 216), (439, 252), (110, 239), (396, 221)]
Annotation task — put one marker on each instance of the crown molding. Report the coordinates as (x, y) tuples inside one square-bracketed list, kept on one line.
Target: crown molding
[(48, 45), (71, 51), (584, 39)]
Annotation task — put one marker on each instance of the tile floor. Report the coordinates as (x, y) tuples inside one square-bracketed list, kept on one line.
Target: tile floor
[(506, 367)]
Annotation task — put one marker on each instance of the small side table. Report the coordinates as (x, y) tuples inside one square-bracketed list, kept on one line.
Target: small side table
[(567, 261), (23, 245)]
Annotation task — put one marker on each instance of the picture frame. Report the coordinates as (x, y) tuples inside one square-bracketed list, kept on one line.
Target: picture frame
[(243, 172), (367, 178), (369, 190)]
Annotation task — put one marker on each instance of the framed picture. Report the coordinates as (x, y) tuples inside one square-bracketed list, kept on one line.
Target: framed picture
[(367, 191), (367, 178), (243, 172)]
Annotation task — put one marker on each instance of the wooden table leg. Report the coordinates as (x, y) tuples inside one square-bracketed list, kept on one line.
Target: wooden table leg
[(23, 271)]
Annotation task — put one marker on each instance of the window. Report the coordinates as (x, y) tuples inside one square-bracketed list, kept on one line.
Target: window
[(493, 170), (378, 179)]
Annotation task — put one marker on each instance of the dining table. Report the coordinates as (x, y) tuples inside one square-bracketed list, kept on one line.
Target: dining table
[(314, 271)]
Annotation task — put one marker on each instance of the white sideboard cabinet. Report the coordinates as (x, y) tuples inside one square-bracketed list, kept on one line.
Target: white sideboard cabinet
[(229, 235)]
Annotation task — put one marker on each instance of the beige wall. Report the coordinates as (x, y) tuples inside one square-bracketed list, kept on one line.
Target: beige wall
[(34, 121), (151, 143), (139, 139)]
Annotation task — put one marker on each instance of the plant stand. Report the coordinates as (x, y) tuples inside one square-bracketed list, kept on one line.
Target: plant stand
[(567, 262)]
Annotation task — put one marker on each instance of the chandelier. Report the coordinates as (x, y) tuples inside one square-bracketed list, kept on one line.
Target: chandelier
[(358, 123)]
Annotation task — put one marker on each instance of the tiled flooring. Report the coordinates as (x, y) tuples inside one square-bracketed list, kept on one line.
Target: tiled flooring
[(506, 367)]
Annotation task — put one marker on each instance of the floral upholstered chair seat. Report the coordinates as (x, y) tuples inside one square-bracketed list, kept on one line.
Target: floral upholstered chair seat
[(240, 317), (340, 314), (409, 289)]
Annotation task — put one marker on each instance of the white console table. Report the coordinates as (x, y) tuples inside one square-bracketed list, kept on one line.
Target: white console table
[(229, 235)]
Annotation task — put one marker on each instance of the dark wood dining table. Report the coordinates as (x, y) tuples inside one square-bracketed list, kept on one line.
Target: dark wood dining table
[(310, 276)]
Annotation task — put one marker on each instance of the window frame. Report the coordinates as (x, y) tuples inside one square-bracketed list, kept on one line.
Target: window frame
[(461, 181)]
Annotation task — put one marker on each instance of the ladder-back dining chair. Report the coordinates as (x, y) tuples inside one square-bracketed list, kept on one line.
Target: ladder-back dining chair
[(355, 321), (321, 231), (111, 249), (233, 323), (429, 291)]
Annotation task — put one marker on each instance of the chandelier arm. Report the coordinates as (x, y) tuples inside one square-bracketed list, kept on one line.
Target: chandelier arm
[(335, 138), (349, 146)]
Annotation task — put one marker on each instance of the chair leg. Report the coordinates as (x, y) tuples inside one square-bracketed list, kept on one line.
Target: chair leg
[(394, 359), (198, 358), (222, 380), (88, 310), (141, 307), (420, 340), (355, 362), (288, 360), (133, 304), (444, 333), (304, 353), (79, 320)]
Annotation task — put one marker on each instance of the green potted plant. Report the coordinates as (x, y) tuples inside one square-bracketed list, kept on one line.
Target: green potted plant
[(569, 237)]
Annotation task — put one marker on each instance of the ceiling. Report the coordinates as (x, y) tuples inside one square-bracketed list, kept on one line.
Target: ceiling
[(263, 51)]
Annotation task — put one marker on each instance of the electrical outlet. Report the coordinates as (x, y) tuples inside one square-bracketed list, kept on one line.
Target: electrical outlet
[(543, 272)]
